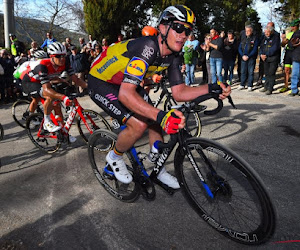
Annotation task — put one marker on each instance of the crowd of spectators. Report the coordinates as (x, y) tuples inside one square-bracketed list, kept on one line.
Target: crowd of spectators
[(221, 51), (217, 55)]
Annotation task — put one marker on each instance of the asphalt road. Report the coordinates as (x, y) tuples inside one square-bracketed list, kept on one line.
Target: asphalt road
[(55, 202)]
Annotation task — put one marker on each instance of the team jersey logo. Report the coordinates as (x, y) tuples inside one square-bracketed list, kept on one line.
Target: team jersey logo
[(137, 68)]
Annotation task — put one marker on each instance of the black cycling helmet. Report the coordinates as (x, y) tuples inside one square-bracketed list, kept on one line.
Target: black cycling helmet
[(178, 13)]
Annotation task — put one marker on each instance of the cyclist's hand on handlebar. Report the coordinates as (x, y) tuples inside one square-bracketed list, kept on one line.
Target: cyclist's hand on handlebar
[(172, 121), (67, 101), (156, 78), (221, 89), (226, 91)]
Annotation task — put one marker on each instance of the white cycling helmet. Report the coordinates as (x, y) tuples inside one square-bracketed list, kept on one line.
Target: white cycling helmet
[(40, 54), (56, 48)]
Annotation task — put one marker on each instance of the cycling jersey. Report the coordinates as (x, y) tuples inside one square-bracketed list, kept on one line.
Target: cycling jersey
[(132, 60), (43, 71)]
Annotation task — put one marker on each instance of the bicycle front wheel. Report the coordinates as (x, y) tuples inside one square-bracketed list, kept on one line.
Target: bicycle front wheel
[(100, 142), (20, 112), (225, 191), (46, 141), (90, 122)]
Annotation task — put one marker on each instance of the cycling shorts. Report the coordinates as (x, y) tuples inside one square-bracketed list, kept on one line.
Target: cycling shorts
[(105, 95), (288, 58), (34, 89)]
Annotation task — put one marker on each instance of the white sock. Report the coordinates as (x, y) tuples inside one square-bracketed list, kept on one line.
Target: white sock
[(47, 118), (114, 156)]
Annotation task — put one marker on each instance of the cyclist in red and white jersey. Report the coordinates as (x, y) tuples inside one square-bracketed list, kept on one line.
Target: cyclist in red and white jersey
[(114, 84), (38, 78)]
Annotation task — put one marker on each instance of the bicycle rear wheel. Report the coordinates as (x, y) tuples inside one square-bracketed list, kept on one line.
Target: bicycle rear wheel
[(93, 120), (193, 122), (46, 141), (20, 112), (225, 191), (100, 142)]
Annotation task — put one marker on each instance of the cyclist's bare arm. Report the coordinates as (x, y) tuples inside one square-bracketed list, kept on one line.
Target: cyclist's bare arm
[(184, 93), (133, 101), (78, 81), (49, 92)]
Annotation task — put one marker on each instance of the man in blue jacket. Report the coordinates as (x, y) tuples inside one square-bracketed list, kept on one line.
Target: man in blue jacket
[(248, 49), (49, 40)]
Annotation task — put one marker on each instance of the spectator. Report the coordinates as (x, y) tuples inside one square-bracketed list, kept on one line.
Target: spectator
[(229, 52), (248, 50), (269, 47), (92, 43), (288, 56), (104, 44), (17, 47), (190, 58), (206, 75), (79, 63), (97, 50), (295, 43), (120, 38), (34, 48), (261, 62), (69, 42), (8, 64), (49, 40), (81, 42), (216, 57)]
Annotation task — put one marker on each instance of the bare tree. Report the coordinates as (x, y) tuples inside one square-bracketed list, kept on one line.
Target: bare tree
[(56, 15)]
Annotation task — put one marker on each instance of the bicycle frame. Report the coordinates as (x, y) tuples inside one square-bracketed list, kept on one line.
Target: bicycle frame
[(77, 108)]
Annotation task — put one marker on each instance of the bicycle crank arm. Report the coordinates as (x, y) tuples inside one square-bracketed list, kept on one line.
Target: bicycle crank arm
[(168, 189)]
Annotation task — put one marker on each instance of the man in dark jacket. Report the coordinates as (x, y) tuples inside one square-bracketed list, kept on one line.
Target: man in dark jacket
[(79, 63), (248, 51), (270, 55), (229, 55)]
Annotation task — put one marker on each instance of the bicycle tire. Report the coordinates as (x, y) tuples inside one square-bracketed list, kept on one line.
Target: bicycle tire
[(47, 142), (90, 116), (123, 192), (19, 110), (193, 121), (1, 132), (241, 208)]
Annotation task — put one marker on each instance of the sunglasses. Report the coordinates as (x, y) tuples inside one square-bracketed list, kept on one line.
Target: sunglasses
[(60, 56), (179, 28)]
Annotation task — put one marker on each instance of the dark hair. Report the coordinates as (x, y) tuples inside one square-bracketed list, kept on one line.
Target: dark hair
[(230, 32)]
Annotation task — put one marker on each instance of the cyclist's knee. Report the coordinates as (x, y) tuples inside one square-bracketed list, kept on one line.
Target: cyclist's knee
[(136, 125)]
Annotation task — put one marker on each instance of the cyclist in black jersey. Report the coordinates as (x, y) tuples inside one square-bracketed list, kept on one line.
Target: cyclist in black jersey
[(114, 84)]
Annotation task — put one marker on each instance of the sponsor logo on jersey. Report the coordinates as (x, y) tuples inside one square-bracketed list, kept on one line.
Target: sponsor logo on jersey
[(107, 64), (136, 68), (147, 52), (135, 82)]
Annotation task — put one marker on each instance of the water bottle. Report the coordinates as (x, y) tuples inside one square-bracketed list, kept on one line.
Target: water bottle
[(154, 152)]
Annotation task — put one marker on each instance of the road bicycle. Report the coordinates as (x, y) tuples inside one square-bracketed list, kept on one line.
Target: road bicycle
[(222, 188), (88, 121), (1, 132)]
